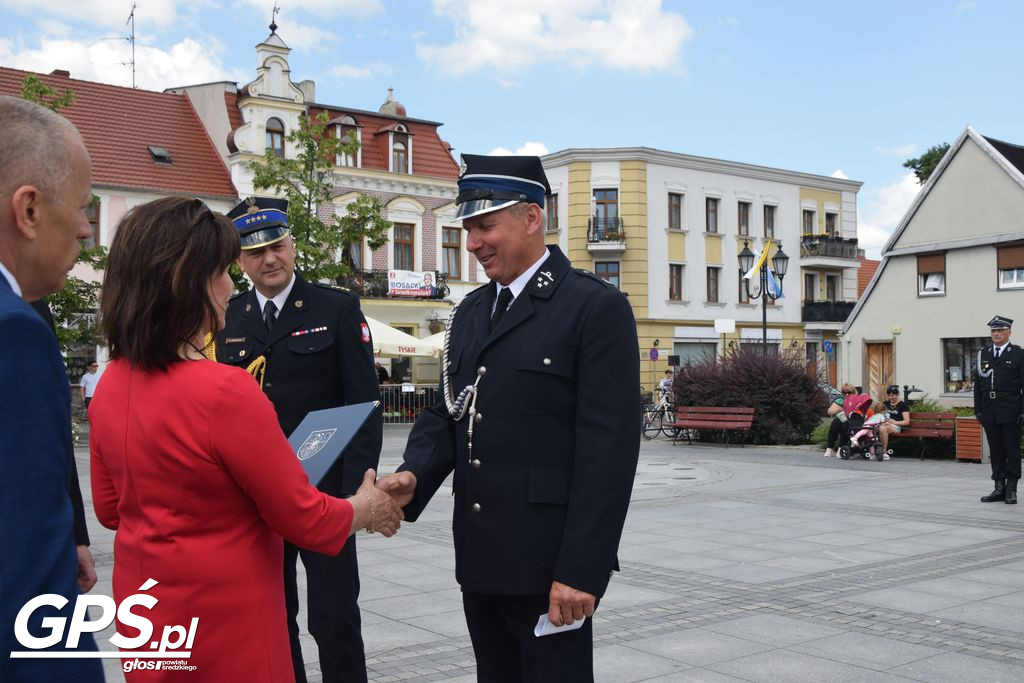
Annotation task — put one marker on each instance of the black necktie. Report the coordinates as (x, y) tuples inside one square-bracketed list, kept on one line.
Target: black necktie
[(997, 352), (269, 316), (504, 299)]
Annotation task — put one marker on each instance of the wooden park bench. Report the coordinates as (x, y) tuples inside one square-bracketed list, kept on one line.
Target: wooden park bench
[(723, 419), (923, 426)]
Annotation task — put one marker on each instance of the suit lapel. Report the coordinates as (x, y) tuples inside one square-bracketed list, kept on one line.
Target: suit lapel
[(252, 320), (543, 284), (482, 313)]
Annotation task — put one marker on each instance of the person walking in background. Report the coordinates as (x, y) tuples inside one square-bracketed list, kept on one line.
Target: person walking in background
[(534, 424), (999, 405), (316, 352), (189, 464), (44, 191), (88, 383)]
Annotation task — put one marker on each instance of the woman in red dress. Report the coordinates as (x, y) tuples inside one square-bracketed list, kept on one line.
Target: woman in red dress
[(189, 464)]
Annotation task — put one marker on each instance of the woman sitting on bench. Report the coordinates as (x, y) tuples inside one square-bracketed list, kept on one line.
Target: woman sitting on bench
[(899, 416)]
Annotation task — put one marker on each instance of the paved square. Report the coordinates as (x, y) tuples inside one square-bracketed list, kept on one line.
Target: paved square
[(738, 564)]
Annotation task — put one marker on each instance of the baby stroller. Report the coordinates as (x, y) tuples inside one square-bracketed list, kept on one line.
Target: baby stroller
[(869, 445)]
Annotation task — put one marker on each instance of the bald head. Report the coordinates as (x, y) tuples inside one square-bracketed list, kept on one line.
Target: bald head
[(45, 190), (34, 146)]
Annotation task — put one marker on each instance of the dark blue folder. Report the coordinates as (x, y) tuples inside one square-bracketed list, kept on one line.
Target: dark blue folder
[(323, 434)]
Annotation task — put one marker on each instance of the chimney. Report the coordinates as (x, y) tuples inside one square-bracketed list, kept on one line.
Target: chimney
[(62, 73)]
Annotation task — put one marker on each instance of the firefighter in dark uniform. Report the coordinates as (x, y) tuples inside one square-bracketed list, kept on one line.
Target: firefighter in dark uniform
[(999, 405), (539, 421), (310, 346)]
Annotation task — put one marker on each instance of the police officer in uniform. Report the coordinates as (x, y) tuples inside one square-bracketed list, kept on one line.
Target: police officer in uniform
[(310, 346), (539, 423), (999, 405)]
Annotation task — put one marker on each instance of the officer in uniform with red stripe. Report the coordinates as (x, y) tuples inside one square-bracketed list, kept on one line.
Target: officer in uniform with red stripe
[(310, 345)]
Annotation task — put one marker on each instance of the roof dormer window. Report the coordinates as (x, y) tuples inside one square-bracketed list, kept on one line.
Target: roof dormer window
[(400, 149), (159, 155)]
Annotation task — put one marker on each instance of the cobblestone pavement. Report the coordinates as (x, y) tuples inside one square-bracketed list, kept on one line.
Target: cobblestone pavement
[(741, 564)]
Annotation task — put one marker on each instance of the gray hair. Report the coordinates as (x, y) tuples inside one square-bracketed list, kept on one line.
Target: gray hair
[(35, 146)]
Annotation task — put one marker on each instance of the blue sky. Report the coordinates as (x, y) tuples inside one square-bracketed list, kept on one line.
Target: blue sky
[(818, 87)]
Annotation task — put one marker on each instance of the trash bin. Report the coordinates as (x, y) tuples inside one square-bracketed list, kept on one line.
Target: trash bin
[(971, 443)]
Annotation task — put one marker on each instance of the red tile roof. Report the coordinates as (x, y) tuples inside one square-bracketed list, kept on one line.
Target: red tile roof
[(430, 155), (119, 123), (864, 275)]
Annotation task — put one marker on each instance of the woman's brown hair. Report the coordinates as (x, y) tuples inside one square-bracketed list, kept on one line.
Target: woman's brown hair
[(155, 294)]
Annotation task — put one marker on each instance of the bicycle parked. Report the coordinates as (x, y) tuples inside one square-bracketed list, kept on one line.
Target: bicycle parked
[(658, 417)]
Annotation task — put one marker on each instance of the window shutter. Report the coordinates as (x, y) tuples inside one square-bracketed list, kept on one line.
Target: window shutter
[(1010, 257), (931, 263)]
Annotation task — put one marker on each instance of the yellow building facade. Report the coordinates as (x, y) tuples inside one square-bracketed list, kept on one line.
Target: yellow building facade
[(667, 229)]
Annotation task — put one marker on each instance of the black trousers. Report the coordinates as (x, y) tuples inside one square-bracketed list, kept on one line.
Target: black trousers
[(1004, 448), (501, 628), (837, 433), (333, 610)]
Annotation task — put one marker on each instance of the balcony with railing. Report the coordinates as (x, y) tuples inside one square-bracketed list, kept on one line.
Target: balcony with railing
[(827, 247), (373, 284), (826, 311), (606, 234)]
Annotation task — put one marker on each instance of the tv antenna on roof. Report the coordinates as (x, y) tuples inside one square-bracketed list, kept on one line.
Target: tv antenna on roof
[(131, 39)]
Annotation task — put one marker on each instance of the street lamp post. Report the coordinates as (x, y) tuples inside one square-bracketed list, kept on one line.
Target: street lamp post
[(780, 263)]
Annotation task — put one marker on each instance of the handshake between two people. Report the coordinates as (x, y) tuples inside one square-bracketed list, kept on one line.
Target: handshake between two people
[(377, 504)]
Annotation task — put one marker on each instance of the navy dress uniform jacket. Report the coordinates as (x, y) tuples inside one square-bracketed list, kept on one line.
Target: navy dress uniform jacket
[(318, 355), (1006, 380), (544, 493)]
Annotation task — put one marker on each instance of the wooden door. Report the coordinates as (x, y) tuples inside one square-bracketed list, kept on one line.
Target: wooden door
[(878, 366)]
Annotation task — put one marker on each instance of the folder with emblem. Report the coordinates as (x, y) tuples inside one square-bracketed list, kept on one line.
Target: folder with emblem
[(322, 435)]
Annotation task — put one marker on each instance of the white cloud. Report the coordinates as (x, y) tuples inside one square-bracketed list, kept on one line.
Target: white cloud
[(838, 173), (362, 72), (530, 148), (633, 35), (186, 62), (898, 151), (885, 208), (304, 37)]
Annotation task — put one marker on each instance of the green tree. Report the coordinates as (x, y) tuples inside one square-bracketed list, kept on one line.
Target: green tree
[(924, 165), (74, 306), (323, 249)]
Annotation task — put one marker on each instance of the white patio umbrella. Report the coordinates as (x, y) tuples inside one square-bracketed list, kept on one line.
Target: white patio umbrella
[(387, 341)]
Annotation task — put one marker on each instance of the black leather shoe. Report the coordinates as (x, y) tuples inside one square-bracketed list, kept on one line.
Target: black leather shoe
[(998, 493), (1011, 492)]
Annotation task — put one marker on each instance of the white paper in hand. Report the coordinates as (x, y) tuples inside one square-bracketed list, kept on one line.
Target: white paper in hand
[(544, 626)]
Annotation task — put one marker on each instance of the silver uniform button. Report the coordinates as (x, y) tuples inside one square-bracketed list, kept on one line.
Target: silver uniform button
[(476, 507), (475, 464), (547, 361), (479, 417)]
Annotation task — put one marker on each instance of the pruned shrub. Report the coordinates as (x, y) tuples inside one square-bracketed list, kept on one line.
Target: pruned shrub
[(787, 402)]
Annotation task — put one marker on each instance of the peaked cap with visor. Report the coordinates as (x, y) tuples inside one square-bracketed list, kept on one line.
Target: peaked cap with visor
[(260, 221), (491, 183)]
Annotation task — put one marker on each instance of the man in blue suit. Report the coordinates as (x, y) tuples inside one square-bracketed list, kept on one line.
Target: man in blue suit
[(44, 192)]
